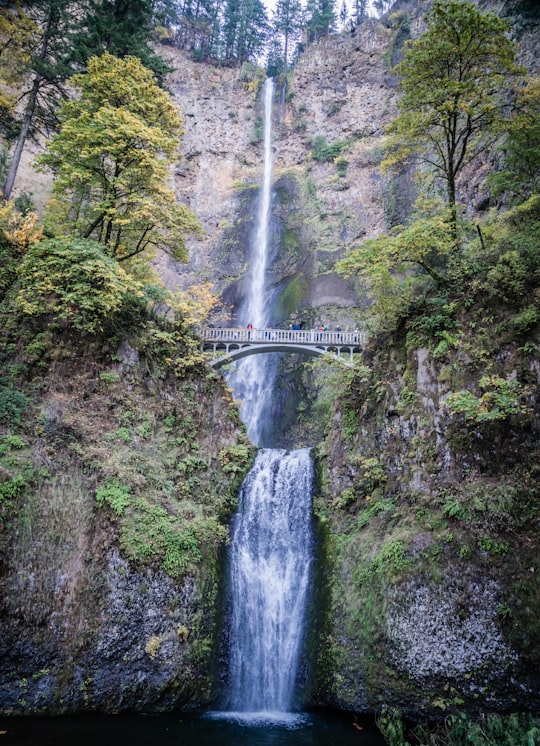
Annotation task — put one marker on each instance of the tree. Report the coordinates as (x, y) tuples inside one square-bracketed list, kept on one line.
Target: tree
[(454, 85), (111, 160), (521, 175), (390, 264), (120, 27), (48, 52), (17, 32), (286, 26), (360, 10), (321, 18), (245, 29), (74, 280)]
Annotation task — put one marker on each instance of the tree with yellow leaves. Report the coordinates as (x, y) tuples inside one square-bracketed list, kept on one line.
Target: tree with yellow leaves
[(111, 160)]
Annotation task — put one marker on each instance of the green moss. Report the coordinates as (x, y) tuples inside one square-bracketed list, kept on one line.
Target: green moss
[(291, 296)]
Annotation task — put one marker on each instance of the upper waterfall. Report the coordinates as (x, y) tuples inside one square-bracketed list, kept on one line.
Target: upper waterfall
[(253, 379)]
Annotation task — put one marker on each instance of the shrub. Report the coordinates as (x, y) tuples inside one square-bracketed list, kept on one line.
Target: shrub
[(501, 399), (116, 495), (325, 151), (12, 402), (74, 280)]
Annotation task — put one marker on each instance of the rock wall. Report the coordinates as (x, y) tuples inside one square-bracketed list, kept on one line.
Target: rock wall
[(117, 483), (432, 539)]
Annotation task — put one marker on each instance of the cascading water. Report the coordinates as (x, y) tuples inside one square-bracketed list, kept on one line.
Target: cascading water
[(270, 572), (271, 549), (253, 379)]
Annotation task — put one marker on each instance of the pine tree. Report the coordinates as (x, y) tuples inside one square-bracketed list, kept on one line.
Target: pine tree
[(245, 29), (48, 67), (286, 27), (120, 27), (321, 18)]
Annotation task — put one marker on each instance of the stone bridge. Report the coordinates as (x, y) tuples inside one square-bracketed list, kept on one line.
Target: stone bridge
[(239, 343)]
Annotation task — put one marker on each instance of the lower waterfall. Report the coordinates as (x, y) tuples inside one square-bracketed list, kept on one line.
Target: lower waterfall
[(270, 568)]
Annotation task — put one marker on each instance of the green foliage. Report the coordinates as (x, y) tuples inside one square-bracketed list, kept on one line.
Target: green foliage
[(521, 149), (111, 159), (324, 151), (73, 280), (502, 398), (389, 564), (150, 534), (489, 730), (11, 442), (455, 509), (341, 164), (488, 544), (108, 377), (235, 459), (12, 488), (12, 404), (257, 133), (121, 29), (384, 263), (116, 495), (390, 723), (454, 78)]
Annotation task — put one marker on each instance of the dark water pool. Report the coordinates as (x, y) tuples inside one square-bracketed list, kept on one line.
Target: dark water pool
[(191, 730)]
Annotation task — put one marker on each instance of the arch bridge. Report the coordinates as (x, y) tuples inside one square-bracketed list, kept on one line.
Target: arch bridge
[(239, 343)]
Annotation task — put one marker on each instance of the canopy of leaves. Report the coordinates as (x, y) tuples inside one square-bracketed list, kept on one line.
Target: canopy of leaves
[(121, 28), (521, 149), (454, 81), (111, 162), (17, 35), (74, 281), (386, 264), (17, 232)]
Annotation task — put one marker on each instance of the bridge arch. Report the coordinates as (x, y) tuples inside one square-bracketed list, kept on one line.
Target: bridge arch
[(240, 343)]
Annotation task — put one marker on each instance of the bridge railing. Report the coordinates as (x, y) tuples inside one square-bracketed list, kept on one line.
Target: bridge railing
[(284, 336)]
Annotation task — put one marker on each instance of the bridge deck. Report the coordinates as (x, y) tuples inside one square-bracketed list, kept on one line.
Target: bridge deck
[(284, 336)]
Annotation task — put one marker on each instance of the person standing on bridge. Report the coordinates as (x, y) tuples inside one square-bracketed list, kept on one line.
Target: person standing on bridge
[(249, 330)]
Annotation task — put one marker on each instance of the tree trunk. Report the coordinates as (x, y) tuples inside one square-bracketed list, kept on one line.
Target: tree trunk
[(451, 192), (29, 111), (23, 134)]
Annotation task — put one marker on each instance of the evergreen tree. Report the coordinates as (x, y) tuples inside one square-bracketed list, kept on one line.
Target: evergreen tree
[(321, 18), (16, 42), (120, 27), (245, 29), (286, 27), (48, 65)]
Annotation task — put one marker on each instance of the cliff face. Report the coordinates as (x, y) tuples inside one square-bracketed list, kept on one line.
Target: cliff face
[(109, 603), (117, 482), (432, 542), (338, 95)]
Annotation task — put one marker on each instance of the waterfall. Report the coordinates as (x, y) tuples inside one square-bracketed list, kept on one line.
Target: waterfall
[(271, 549), (253, 379), (270, 561)]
